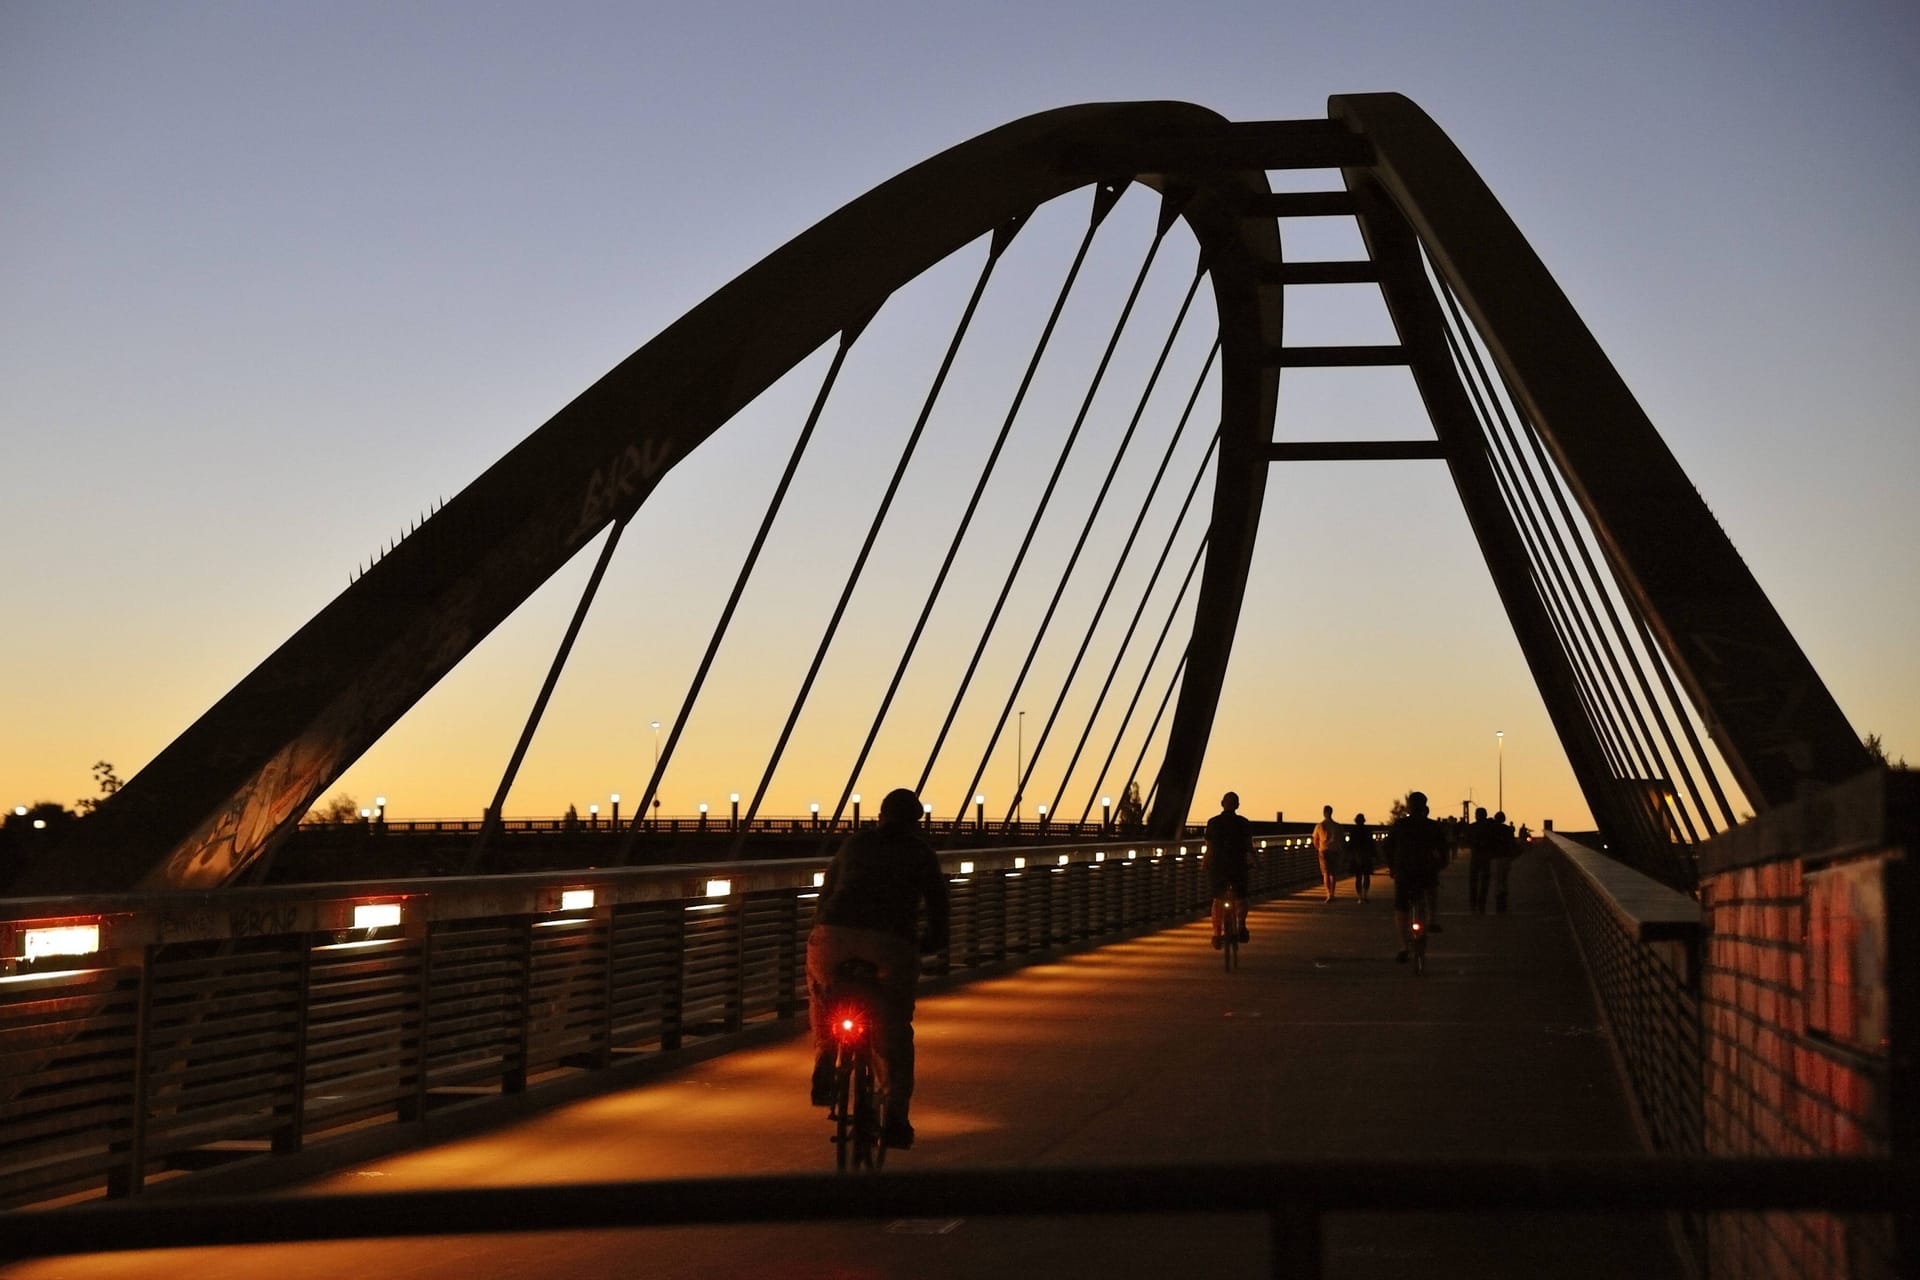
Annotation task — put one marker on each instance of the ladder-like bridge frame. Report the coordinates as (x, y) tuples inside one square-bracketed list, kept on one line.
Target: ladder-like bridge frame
[(241, 777)]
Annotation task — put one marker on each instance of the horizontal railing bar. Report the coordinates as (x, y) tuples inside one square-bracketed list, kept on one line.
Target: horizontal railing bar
[(1353, 450), (1560, 1185)]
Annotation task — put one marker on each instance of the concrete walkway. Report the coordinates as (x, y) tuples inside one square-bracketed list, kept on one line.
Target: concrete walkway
[(1135, 1054)]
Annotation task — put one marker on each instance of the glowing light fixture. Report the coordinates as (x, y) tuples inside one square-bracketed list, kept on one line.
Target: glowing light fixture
[(719, 888), (60, 940), (376, 915), (576, 899)]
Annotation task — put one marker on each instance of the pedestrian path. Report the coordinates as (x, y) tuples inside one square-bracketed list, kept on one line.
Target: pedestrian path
[(1136, 1054)]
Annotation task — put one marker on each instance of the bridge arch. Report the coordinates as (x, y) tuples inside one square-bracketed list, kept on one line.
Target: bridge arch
[(240, 777)]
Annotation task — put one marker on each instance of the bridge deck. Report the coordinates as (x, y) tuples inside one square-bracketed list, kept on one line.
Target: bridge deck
[(1320, 1046)]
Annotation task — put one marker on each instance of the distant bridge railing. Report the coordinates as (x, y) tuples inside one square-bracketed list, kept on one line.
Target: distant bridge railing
[(141, 1034)]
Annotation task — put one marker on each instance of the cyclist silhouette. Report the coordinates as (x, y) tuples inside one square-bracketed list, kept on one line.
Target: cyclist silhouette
[(869, 908)]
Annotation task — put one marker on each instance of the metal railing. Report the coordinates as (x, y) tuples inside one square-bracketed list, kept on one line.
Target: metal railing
[(1294, 1197), (139, 1032)]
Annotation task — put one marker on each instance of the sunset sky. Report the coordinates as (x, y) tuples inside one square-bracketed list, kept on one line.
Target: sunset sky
[(275, 279)]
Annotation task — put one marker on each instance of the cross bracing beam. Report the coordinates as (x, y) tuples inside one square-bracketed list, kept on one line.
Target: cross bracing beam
[(238, 779)]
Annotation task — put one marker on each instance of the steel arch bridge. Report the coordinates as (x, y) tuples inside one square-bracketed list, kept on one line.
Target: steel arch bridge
[(1639, 621)]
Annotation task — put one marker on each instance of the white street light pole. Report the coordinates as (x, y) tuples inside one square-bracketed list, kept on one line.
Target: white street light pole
[(1500, 741)]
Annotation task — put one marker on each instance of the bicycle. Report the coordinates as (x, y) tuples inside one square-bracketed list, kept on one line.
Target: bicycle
[(1419, 928), (859, 1101), (1227, 907)]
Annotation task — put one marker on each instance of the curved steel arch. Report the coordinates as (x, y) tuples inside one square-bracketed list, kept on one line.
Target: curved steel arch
[(242, 775)]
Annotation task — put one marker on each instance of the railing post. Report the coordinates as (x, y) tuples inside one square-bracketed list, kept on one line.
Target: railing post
[(288, 1138), (673, 1000), (413, 1106), (513, 1074), (1294, 1233), (128, 1178)]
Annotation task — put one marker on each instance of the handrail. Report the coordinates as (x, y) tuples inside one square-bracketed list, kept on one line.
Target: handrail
[(141, 1031), (1295, 1194)]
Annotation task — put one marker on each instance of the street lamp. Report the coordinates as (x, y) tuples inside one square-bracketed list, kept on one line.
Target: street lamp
[(379, 808), (856, 811), (980, 813), (1019, 757), (733, 798), (1500, 748), (593, 815), (656, 746), (616, 808), (1106, 813)]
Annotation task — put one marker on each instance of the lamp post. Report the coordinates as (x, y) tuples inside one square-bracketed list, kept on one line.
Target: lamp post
[(703, 815), (856, 811), (814, 809), (1106, 814), (733, 798), (1019, 760), (979, 813), (1043, 818), (593, 815), (615, 797), (1500, 750)]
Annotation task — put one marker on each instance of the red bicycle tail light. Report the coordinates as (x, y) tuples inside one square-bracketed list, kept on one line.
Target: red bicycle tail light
[(849, 1025)]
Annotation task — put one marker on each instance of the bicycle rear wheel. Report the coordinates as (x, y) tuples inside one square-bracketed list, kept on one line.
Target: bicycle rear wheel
[(842, 1112), (868, 1150)]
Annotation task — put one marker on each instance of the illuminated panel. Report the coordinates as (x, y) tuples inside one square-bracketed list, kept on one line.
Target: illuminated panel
[(719, 888), (576, 899), (61, 940), (376, 915)]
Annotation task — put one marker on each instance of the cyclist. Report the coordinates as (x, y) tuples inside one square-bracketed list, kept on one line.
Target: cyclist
[(1416, 850), (869, 908), (1229, 852)]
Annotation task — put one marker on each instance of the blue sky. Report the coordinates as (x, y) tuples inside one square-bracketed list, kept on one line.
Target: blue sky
[(275, 278)]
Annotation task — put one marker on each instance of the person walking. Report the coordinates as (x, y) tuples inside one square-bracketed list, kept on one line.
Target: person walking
[(1329, 845), (1483, 844), (1360, 854), (1505, 849), (869, 910), (1229, 858)]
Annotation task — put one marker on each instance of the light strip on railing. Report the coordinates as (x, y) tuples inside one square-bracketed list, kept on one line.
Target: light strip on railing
[(719, 888), (576, 899), (60, 940), (376, 915)]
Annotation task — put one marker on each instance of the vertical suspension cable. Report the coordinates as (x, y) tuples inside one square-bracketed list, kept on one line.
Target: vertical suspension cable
[(1631, 723), (490, 820), (1106, 195), (1146, 672), (1686, 722), (1155, 728), (1120, 561), (973, 503), (1153, 579), (1647, 644), (847, 339), (1147, 593), (1575, 638), (996, 245), (1169, 210), (1593, 574)]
